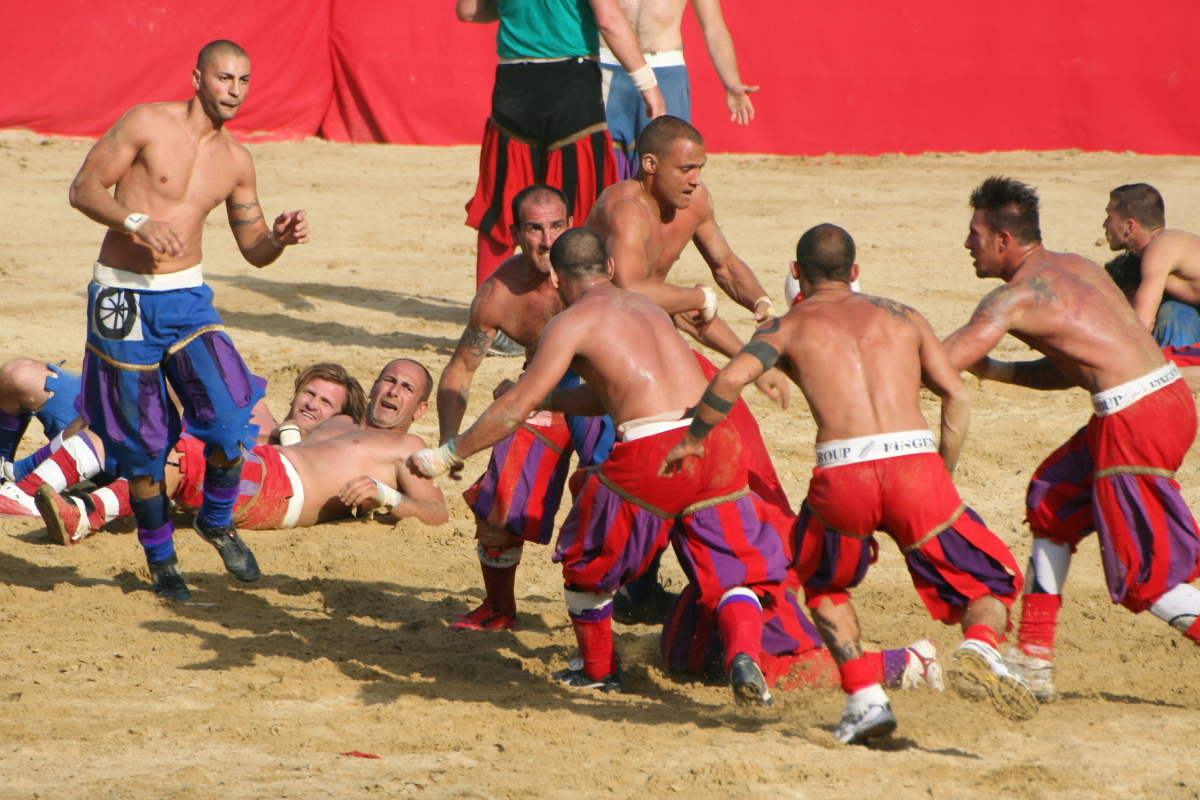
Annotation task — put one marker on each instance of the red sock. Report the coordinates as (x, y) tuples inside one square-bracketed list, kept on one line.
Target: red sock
[(984, 633), (489, 255), (596, 645), (857, 674), (1039, 624), (498, 583), (741, 626)]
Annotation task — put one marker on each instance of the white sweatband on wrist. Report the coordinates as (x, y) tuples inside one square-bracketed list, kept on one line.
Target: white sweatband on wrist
[(438, 461), (273, 239), (709, 309), (134, 222), (387, 496), (644, 78), (289, 433)]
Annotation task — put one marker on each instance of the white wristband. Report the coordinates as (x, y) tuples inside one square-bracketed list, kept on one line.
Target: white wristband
[(289, 433), (134, 222), (387, 496), (644, 78), (273, 239)]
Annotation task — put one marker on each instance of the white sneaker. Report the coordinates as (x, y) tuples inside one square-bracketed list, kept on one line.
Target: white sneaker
[(1037, 673), (978, 672), (922, 669), (868, 715)]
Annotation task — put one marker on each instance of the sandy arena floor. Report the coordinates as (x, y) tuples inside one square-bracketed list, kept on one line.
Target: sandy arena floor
[(254, 690)]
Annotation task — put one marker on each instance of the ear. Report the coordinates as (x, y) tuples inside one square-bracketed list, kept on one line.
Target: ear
[(854, 272), (420, 410)]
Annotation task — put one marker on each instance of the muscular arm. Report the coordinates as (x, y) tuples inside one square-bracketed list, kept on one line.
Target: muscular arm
[(622, 40), (454, 386), (482, 11), (1156, 267), (940, 376), (720, 49)]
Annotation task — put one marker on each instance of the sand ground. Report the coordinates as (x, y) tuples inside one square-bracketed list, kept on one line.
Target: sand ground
[(252, 691)]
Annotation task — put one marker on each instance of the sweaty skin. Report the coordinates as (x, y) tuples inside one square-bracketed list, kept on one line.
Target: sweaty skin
[(1060, 304)]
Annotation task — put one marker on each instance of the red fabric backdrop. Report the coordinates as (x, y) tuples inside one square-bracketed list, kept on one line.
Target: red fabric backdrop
[(845, 78)]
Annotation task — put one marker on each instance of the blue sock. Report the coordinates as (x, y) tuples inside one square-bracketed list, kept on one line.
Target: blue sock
[(155, 531), (221, 488)]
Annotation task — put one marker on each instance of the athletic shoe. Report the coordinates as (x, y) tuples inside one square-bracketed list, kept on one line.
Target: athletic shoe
[(166, 580), (865, 719), (1037, 673), (66, 518), (578, 679), (979, 673), (233, 549), (15, 504), (749, 685), (488, 617), (504, 346), (922, 669)]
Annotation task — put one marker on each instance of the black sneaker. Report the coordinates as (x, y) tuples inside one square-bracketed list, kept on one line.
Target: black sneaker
[(166, 580), (749, 685), (233, 549), (578, 679), (504, 346)]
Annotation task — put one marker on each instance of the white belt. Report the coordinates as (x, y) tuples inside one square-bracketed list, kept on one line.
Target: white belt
[(189, 278), (667, 58), (873, 448), (296, 501), (1125, 395), (649, 426)]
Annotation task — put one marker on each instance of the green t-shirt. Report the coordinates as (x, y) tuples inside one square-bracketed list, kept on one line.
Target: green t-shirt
[(546, 29)]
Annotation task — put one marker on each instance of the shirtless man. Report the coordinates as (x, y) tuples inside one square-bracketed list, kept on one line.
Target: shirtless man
[(1168, 295), (1116, 475), (640, 371), (861, 362), (658, 25), (150, 316), (516, 499), (343, 463)]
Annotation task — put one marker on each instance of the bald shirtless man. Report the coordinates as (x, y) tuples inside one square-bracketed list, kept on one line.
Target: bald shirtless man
[(640, 371), (658, 25), (516, 499), (1116, 476), (150, 316), (861, 362), (1168, 296), (345, 461)]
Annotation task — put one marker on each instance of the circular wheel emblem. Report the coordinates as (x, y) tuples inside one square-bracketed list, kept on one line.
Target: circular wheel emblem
[(116, 313)]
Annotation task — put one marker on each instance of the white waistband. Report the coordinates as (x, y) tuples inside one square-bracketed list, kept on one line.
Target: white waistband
[(667, 58), (874, 448), (1125, 395), (296, 501), (649, 426), (189, 278)]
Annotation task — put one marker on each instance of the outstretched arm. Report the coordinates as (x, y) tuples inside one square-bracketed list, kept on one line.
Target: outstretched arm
[(720, 49)]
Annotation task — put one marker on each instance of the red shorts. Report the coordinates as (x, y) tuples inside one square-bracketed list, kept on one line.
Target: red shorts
[(626, 514), (1116, 476), (523, 486), (952, 557), (264, 492)]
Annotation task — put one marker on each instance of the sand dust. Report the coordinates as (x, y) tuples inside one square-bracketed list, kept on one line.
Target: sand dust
[(254, 690)]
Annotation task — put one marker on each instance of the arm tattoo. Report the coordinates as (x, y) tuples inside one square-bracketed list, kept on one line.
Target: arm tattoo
[(716, 402), (237, 223), (897, 310), (766, 354), (243, 206), (476, 341), (1043, 292)]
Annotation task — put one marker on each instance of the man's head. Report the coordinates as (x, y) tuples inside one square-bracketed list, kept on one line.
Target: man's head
[(1132, 209), (539, 216), (825, 253), (399, 395), (672, 154), (1005, 222), (324, 390), (579, 257), (222, 79)]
